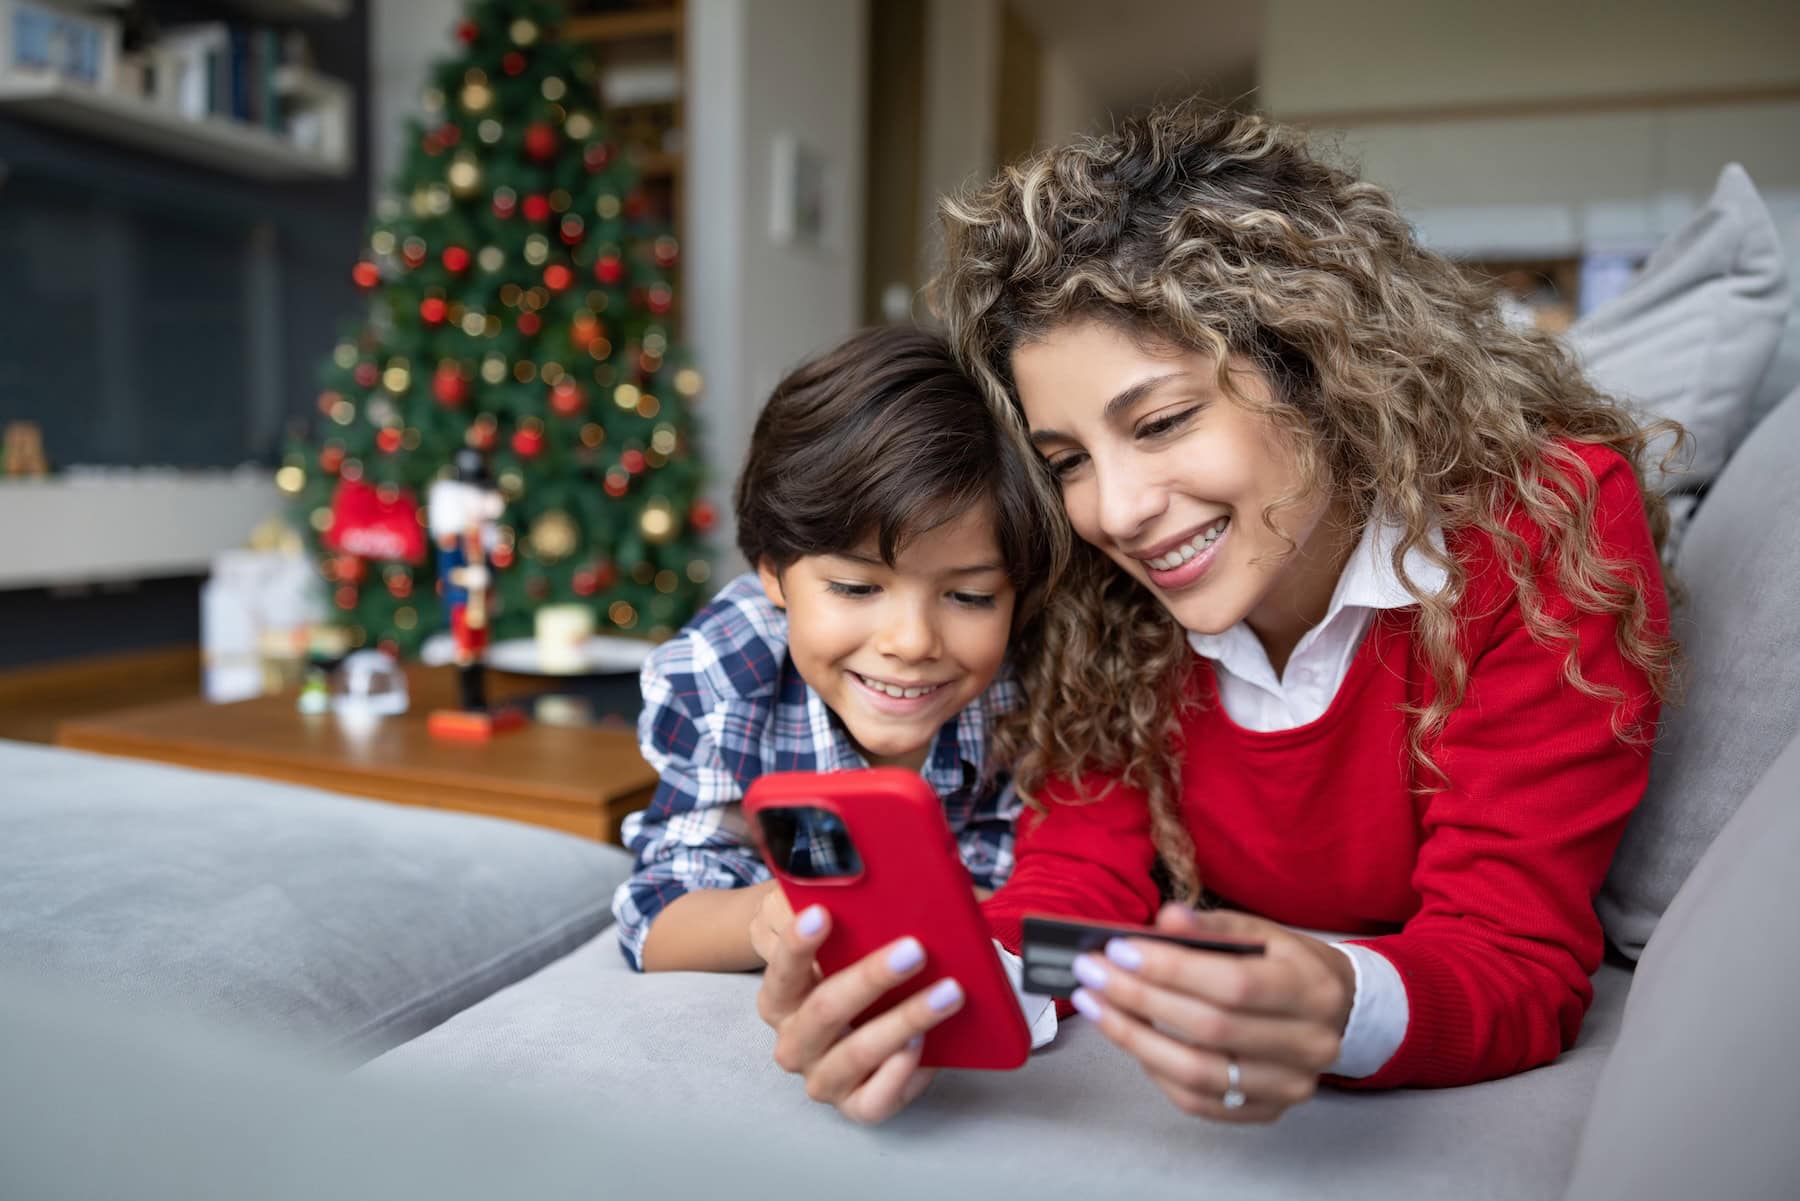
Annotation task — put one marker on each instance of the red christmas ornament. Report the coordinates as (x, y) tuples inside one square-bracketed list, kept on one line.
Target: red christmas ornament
[(502, 556), (456, 259), (537, 207), (528, 443), (330, 459), (481, 436), (513, 63), (449, 385), (388, 440), (530, 323), (617, 483), (431, 310), (567, 398), (540, 142), (346, 597), (366, 274), (367, 375), (466, 33), (609, 269), (506, 203), (703, 516), (557, 277), (596, 156), (632, 461)]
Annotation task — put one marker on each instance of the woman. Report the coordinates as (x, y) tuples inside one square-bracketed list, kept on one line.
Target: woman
[(1365, 632)]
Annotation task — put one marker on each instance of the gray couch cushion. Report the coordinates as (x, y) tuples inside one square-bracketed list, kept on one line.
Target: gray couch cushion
[(1693, 336), (1701, 1096), (1740, 563), (1079, 1121), (351, 924)]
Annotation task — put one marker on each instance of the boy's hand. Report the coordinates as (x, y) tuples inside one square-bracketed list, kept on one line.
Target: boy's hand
[(770, 921)]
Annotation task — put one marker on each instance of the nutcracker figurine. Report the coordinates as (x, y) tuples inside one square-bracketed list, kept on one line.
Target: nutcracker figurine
[(464, 513)]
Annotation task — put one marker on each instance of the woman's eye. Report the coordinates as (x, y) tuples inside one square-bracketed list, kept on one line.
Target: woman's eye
[(854, 591), (1166, 424), (973, 600)]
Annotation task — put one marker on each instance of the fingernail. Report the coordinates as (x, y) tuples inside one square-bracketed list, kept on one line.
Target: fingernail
[(1084, 1002), (810, 921), (906, 956), (1124, 954), (1090, 972), (943, 995)]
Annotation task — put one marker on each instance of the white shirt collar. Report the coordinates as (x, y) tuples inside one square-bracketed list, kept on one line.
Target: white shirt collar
[(1368, 581)]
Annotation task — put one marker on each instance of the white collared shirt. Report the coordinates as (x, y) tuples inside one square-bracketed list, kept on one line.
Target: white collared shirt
[(1256, 698)]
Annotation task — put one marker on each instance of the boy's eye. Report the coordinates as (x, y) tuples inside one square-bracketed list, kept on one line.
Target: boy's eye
[(973, 600), (1168, 423), (854, 591)]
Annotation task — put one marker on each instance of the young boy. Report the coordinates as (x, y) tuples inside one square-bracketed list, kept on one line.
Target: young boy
[(889, 523)]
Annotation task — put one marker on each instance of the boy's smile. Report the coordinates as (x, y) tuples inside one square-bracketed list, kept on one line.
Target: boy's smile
[(898, 651)]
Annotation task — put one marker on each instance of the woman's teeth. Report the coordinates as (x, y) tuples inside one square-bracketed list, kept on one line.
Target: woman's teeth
[(895, 690), (1187, 550)]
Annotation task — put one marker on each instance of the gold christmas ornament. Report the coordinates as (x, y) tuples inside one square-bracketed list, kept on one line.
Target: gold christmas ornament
[(476, 97), (554, 536), (464, 175), (524, 32), (554, 88), (290, 479), (490, 258), (657, 522)]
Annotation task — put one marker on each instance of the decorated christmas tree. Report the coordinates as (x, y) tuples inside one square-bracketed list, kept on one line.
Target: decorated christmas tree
[(520, 304)]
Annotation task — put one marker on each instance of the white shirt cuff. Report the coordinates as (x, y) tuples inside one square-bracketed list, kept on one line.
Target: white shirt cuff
[(1378, 1014), (1040, 1012)]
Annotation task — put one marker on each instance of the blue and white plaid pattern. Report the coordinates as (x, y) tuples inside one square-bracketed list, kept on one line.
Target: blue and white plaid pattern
[(722, 706)]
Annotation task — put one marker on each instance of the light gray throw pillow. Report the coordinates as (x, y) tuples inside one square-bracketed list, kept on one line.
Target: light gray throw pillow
[(1740, 564), (1693, 336), (350, 924), (1702, 1092)]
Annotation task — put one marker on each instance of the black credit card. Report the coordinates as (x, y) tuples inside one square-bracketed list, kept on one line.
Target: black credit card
[(1052, 943)]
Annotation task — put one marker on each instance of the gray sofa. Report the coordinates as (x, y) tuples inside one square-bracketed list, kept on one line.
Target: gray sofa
[(211, 986)]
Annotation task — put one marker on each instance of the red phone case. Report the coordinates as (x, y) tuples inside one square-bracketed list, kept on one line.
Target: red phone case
[(912, 882)]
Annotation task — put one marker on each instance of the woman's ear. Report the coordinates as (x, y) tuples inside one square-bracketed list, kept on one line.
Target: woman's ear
[(771, 582)]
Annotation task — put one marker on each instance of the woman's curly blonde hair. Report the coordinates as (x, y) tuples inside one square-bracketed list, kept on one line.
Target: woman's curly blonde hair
[(1398, 384)]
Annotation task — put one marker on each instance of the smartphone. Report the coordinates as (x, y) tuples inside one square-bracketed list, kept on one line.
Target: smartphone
[(1052, 943), (873, 848)]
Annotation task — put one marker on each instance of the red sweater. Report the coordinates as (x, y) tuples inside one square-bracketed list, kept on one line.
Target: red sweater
[(1481, 893)]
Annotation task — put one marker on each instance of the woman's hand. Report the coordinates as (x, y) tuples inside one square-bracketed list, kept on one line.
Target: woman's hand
[(1186, 1016), (869, 1073), (770, 921)]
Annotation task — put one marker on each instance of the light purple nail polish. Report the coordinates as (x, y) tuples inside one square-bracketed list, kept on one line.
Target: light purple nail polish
[(810, 921), (1084, 1002), (1090, 972), (1124, 954), (906, 956), (943, 995)]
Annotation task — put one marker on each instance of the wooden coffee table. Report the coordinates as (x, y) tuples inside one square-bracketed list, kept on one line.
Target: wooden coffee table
[(580, 779)]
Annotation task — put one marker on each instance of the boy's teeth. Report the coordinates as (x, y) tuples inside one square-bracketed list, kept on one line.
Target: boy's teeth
[(1187, 550), (894, 690)]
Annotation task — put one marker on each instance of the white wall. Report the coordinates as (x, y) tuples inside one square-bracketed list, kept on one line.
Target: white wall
[(405, 38), (758, 70), (1567, 179)]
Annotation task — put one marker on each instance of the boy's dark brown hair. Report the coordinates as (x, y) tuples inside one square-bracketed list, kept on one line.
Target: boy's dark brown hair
[(885, 436)]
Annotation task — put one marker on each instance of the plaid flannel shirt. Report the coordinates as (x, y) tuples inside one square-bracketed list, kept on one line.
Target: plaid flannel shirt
[(722, 705)]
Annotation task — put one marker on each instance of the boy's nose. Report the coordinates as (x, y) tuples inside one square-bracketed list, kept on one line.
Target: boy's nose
[(910, 635)]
